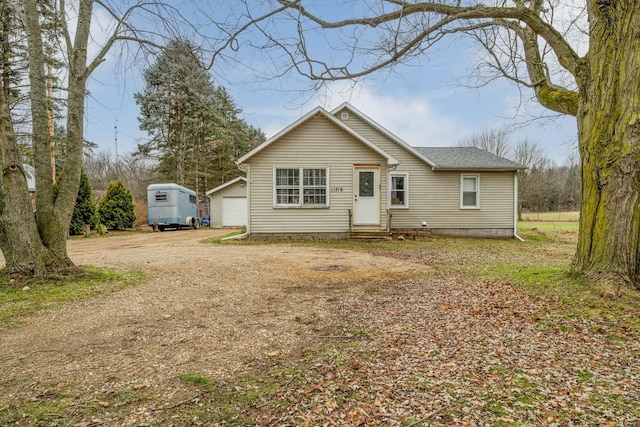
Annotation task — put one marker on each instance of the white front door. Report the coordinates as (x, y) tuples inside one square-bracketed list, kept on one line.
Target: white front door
[(366, 203)]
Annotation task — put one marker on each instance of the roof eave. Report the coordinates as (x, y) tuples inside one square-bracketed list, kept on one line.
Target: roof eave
[(225, 185), (475, 169)]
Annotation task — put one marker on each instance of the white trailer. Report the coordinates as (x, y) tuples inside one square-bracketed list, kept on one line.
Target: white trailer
[(171, 206)]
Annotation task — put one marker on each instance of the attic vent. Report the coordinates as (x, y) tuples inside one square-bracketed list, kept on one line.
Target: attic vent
[(345, 115)]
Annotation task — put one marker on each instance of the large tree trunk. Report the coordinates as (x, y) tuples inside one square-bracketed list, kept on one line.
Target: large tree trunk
[(609, 135), (24, 252), (38, 246), (51, 213), (22, 248)]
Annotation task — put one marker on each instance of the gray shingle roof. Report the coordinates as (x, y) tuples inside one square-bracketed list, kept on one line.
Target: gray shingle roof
[(465, 158)]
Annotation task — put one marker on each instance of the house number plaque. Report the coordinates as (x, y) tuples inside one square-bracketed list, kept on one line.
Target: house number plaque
[(337, 189)]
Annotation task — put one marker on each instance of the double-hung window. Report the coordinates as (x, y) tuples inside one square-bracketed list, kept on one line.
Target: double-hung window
[(399, 187), (301, 187), (314, 187), (469, 192), (287, 186)]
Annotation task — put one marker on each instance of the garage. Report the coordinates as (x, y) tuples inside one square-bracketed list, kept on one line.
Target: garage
[(234, 211), (228, 204)]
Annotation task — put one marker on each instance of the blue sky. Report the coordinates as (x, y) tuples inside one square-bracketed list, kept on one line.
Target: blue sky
[(422, 103)]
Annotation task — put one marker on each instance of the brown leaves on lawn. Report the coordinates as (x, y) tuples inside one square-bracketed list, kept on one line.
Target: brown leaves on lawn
[(463, 353)]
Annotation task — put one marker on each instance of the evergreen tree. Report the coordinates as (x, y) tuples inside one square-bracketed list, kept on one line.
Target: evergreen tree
[(115, 210), (84, 213)]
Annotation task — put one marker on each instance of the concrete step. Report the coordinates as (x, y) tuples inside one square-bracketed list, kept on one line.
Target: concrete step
[(369, 235)]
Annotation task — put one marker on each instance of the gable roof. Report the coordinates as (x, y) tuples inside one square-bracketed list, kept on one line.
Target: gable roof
[(225, 185), (313, 113), (383, 131), (466, 158)]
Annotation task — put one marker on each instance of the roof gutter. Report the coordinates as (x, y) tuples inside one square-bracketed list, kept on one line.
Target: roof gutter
[(471, 169)]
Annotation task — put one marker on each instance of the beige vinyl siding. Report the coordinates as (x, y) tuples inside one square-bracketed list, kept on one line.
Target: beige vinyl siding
[(215, 200), (496, 201), (434, 196), (317, 143)]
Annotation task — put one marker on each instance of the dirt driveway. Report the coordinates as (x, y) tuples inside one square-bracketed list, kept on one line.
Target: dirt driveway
[(211, 310)]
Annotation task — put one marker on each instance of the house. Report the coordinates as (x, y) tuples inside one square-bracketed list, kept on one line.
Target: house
[(228, 204), (335, 173)]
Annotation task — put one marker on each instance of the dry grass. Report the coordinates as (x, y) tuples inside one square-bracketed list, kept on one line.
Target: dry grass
[(569, 216)]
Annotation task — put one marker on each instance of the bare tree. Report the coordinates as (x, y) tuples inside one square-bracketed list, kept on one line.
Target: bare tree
[(495, 141), (537, 44), (528, 152), (135, 172)]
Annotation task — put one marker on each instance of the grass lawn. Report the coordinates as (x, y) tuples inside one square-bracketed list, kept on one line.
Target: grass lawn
[(572, 216), (562, 222), (551, 226), (18, 300)]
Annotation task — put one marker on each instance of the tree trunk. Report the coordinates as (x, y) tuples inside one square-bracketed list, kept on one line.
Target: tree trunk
[(37, 246), (22, 248), (51, 214), (609, 135)]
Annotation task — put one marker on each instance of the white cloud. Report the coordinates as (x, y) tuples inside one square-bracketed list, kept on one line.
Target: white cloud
[(413, 119)]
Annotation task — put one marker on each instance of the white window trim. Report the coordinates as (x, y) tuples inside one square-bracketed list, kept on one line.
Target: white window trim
[(406, 190), (300, 203), (477, 178)]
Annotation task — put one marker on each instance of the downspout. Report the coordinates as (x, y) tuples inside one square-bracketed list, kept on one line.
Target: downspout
[(515, 207), (246, 233)]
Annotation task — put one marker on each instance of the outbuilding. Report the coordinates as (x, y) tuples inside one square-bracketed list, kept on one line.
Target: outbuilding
[(228, 204)]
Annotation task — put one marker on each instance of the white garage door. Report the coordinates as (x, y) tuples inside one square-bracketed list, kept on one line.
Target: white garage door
[(234, 211)]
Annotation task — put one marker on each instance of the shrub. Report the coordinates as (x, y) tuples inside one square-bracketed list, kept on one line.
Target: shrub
[(116, 207)]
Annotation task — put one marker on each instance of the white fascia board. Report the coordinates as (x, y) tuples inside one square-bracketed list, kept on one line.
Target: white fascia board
[(225, 185), (385, 132)]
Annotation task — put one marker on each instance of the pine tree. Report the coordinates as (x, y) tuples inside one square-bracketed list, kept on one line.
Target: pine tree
[(193, 126)]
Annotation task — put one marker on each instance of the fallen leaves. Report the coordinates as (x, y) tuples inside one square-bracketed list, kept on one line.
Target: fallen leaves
[(470, 354)]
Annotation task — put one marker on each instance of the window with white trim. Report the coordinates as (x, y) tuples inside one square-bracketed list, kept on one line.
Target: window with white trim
[(399, 188), (469, 192), (310, 191)]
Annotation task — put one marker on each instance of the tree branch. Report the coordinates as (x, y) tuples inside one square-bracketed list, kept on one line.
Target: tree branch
[(567, 57)]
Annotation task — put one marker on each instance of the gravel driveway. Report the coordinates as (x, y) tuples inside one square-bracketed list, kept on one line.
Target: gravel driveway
[(213, 310)]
